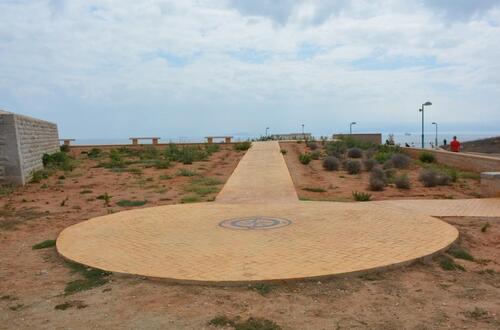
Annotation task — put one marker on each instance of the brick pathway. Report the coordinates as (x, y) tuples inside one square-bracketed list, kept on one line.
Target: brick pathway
[(188, 243)]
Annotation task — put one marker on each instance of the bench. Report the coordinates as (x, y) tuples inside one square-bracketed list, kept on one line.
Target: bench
[(135, 140), (210, 139), (66, 142)]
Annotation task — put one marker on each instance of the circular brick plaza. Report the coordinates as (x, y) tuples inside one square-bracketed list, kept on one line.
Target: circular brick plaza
[(218, 243)]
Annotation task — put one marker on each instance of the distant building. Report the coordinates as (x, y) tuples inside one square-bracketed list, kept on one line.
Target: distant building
[(375, 138), (292, 136)]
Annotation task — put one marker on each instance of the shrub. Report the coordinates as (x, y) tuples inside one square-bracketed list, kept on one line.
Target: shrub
[(361, 196), (242, 146), (336, 149), (388, 164), (162, 164), (313, 189), (305, 158), (315, 154), (94, 153), (376, 184), (428, 178), (427, 157), (382, 156), (390, 173), (312, 145), (64, 148), (283, 151), (45, 244), (186, 172), (129, 203), (443, 179), (58, 160), (400, 160), (354, 153), (378, 179), (369, 164), (331, 163), (353, 166), (39, 175), (402, 182)]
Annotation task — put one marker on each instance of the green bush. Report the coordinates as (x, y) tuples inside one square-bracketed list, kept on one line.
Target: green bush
[(353, 166), (355, 153), (312, 145), (336, 149), (331, 163), (361, 196), (402, 181), (378, 179), (64, 148), (382, 156), (400, 161), (369, 164), (129, 203), (427, 157), (428, 178), (316, 154), (305, 158), (242, 146), (94, 153), (45, 244)]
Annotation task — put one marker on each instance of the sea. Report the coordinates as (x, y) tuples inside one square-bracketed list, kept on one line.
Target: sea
[(412, 138)]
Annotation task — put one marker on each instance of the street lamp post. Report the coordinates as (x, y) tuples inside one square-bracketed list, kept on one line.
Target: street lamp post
[(350, 127), (422, 111), (436, 141)]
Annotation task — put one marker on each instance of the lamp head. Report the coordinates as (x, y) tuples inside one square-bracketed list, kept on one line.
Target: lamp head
[(427, 103)]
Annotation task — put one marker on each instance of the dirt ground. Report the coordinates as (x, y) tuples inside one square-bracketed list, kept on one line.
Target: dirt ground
[(339, 185), (32, 282)]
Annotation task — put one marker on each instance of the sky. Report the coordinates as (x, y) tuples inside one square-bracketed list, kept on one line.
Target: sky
[(114, 69)]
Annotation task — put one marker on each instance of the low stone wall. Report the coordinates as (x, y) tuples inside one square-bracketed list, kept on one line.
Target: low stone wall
[(463, 161), (23, 141), (364, 137)]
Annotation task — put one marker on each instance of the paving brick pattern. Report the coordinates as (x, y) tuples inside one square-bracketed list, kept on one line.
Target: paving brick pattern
[(186, 244)]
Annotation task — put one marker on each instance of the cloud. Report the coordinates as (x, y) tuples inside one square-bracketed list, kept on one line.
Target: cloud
[(112, 68), (461, 9)]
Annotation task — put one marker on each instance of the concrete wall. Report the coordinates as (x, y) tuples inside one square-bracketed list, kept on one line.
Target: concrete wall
[(368, 137), (463, 161), (23, 141)]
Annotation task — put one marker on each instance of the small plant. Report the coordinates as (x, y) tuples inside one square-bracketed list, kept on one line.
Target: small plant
[(305, 158), (73, 303), (186, 172), (106, 198), (443, 179), (402, 181), (353, 166), (63, 203), (400, 161), (448, 263), (369, 164), (382, 156), (312, 145), (39, 175), (6, 189), (94, 153), (477, 314), (242, 146), (45, 244), (331, 163), (485, 227), (261, 288), (315, 154), (190, 199), (162, 164), (312, 189), (460, 253), (129, 203), (85, 191), (221, 321), (91, 278), (361, 196), (427, 157), (428, 178), (64, 148), (165, 177), (354, 153), (378, 179), (283, 151)]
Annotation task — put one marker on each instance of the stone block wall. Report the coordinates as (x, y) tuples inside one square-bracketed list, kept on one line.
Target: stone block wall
[(23, 141), (463, 161), (375, 138)]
